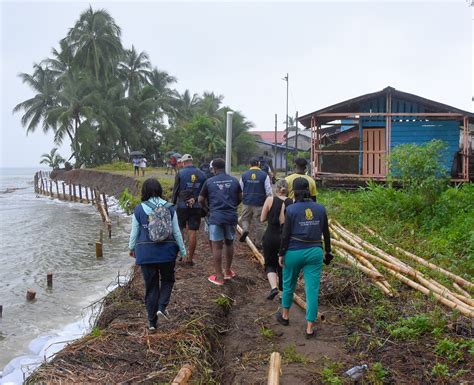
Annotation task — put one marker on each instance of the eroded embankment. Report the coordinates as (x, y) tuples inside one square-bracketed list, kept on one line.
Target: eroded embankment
[(105, 182)]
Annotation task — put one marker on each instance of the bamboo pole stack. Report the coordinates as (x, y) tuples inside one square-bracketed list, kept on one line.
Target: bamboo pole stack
[(363, 255)]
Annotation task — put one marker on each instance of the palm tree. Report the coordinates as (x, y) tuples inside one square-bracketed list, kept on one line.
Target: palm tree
[(134, 70), (37, 107), (166, 98), (186, 106), (95, 41), (53, 159)]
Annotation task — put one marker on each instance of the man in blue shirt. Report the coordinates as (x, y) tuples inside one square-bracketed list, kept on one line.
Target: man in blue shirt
[(187, 185), (221, 195), (256, 186)]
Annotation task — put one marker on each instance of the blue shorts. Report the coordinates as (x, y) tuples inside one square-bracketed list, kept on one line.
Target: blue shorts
[(221, 232)]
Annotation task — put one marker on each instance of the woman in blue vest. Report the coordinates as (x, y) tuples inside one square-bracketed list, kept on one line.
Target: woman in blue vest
[(156, 259), (301, 249)]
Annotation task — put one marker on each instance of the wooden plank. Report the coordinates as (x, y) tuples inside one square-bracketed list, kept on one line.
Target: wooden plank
[(364, 152), (383, 149), (376, 154)]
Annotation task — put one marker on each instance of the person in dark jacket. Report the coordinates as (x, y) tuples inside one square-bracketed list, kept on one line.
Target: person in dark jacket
[(274, 212), (187, 186), (256, 187), (156, 259), (306, 223)]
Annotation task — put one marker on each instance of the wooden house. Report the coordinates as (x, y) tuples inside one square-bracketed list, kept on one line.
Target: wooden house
[(378, 122)]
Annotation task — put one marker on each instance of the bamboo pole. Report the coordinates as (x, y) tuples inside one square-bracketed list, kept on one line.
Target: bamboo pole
[(274, 369), (435, 288), (386, 290), (183, 375), (422, 261), (367, 263), (461, 290), (371, 273)]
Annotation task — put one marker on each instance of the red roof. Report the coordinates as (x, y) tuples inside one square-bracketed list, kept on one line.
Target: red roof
[(269, 136)]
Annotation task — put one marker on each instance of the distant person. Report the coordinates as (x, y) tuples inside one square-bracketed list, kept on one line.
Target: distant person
[(300, 172), (173, 164), (187, 186), (265, 167), (143, 162), (274, 212), (256, 186), (221, 195), (136, 166), (205, 167), (301, 249), (156, 259)]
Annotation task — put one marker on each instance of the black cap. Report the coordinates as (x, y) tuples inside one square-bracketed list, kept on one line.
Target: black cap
[(300, 184)]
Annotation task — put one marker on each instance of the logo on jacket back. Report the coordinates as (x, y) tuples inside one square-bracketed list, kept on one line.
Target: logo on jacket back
[(253, 176), (308, 214), (193, 178)]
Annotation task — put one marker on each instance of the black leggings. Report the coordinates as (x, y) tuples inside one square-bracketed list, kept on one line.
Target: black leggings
[(271, 247)]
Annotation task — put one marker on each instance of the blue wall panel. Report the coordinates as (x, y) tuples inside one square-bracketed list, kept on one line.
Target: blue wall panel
[(421, 132)]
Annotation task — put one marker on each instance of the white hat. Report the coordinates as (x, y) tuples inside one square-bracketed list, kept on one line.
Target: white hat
[(185, 158)]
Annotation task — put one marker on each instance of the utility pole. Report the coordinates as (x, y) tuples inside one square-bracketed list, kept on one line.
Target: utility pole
[(296, 133), (228, 143), (287, 79), (276, 144)]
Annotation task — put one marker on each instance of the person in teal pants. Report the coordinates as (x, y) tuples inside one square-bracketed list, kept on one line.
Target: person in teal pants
[(306, 224)]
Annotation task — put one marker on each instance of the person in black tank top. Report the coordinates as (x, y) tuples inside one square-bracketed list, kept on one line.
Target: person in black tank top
[(274, 212)]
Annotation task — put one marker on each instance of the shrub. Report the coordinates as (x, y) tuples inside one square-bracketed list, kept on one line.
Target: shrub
[(128, 201), (449, 349)]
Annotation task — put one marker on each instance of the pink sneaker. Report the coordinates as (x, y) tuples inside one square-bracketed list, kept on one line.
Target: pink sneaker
[(213, 279), (230, 276)]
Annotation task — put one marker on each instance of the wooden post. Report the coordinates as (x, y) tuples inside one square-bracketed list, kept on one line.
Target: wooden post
[(42, 186), (1, 310), (274, 369), (70, 192), (98, 250), (105, 203), (30, 294), (101, 235), (49, 279), (51, 187), (74, 192), (109, 228), (87, 194), (64, 191), (183, 375), (80, 193), (57, 189)]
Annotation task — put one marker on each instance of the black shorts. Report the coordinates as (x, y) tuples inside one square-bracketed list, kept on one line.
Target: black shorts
[(189, 216)]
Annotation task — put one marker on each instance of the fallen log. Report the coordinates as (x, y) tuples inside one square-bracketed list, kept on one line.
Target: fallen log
[(422, 261), (183, 375), (274, 369)]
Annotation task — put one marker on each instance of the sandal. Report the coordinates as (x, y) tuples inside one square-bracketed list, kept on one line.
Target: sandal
[(310, 336), (232, 275), (281, 320), (213, 279)]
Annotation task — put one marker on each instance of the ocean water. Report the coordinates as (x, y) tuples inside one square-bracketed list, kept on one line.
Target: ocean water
[(40, 235)]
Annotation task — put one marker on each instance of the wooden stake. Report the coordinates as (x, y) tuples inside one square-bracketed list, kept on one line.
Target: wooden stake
[(51, 188), (274, 369), (64, 191), (98, 250), (101, 235), (424, 262), (1, 311), (87, 194), (105, 203), (70, 192), (49, 279), (57, 189), (80, 193), (30, 294), (74, 192), (183, 375)]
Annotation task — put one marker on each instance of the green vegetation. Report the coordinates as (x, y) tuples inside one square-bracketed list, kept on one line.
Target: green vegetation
[(290, 355), (224, 302), (377, 374), (128, 201), (440, 371), (426, 217), (96, 332), (267, 332), (449, 349), (329, 377), (53, 159), (107, 100), (413, 327)]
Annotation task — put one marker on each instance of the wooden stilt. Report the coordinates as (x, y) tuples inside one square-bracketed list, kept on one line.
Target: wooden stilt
[(80, 193), (1, 311), (74, 192), (30, 294), (98, 250), (57, 189), (51, 188), (87, 194), (49, 279), (70, 192)]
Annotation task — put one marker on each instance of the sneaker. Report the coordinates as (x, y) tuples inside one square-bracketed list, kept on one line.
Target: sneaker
[(213, 279), (243, 237), (230, 276), (152, 328), (164, 314), (273, 293), (281, 320)]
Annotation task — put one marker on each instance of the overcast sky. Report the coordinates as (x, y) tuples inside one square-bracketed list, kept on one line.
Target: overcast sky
[(332, 51)]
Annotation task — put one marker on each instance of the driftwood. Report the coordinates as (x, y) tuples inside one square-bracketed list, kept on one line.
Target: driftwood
[(274, 369), (424, 262), (183, 375)]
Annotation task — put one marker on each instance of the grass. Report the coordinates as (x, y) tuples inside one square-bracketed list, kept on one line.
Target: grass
[(267, 332), (290, 355), (224, 302)]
